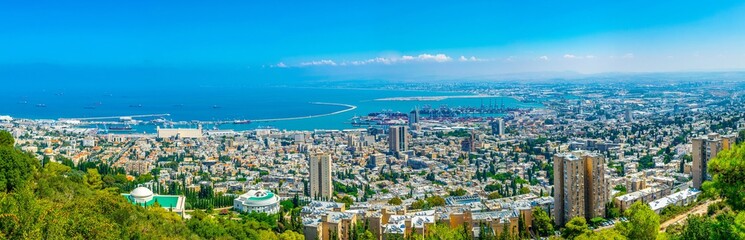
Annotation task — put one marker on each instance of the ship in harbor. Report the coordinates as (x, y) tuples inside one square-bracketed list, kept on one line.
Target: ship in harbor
[(120, 128), (241, 121)]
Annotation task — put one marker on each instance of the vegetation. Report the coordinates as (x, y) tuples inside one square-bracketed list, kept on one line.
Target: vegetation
[(458, 192), (575, 227), (494, 195), (727, 220), (542, 222), (606, 234), (727, 171), (59, 202), (643, 224), (395, 201), (16, 167), (341, 188), (645, 162), (461, 133), (206, 198)]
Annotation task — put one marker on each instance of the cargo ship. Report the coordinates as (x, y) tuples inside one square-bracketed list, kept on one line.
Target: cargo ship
[(241, 121), (120, 128)]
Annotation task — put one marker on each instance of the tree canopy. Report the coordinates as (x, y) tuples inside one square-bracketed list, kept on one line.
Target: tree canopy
[(728, 176), (16, 167), (6, 140), (643, 224), (575, 227), (59, 202), (542, 222)]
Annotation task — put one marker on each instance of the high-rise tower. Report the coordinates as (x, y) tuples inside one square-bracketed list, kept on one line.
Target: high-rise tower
[(321, 186)]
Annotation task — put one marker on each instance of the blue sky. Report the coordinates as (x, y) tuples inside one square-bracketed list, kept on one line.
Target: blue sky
[(379, 38)]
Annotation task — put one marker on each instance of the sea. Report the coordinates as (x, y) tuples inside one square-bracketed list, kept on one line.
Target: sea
[(229, 104)]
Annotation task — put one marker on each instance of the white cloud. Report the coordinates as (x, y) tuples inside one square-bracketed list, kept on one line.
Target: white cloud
[(470, 59), (373, 60), (437, 57), (319, 63), (628, 56), (425, 57), (572, 56), (544, 58), (280, 65)]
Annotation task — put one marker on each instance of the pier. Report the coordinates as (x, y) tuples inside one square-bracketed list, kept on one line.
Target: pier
[(349, 108), (117, 117), (97, 120)]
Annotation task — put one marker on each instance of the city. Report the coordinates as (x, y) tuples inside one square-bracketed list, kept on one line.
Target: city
[(372, 120), (591, 154)]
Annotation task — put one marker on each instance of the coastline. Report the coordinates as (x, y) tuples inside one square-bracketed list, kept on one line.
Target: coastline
[(440, 98)]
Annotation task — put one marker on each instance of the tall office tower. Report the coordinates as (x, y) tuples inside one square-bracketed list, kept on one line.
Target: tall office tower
[(414, 116), (469, 144), (580, 186), (497, 127), (397, 139), (703, 150), (320, 176), (628, 115)]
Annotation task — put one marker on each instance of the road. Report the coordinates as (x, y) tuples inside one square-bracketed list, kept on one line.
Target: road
[(698, 210), (129, 145)]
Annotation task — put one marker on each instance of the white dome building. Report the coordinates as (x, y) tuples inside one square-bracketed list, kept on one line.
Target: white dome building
[(262, 201), (141, 195)]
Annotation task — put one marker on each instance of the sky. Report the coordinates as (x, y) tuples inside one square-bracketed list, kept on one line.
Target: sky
[(376, 39)]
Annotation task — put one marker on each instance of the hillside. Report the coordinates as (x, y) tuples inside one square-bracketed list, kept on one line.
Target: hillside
[(56, 202)]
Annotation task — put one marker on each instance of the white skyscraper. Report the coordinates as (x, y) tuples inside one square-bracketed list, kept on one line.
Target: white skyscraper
[(497, 127)]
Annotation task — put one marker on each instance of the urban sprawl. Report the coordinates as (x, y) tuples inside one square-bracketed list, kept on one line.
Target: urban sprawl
[(591, 151)]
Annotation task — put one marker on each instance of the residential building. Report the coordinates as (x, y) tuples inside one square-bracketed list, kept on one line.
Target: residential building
[(580, 186), (703, 150), (397, 140), (321, 186)]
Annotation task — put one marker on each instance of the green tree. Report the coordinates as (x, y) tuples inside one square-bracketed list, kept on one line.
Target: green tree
[(436, 201), (418, 204), (494, 195), (575, 227), (290, 235), (696, 228), (93, 179), (367, 235), (395, 201), (444, 232), (643, 224), (458, 192), (6, 140), (607, 234), (16, 168), (727, 171), (347, 200), (542, 222)]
